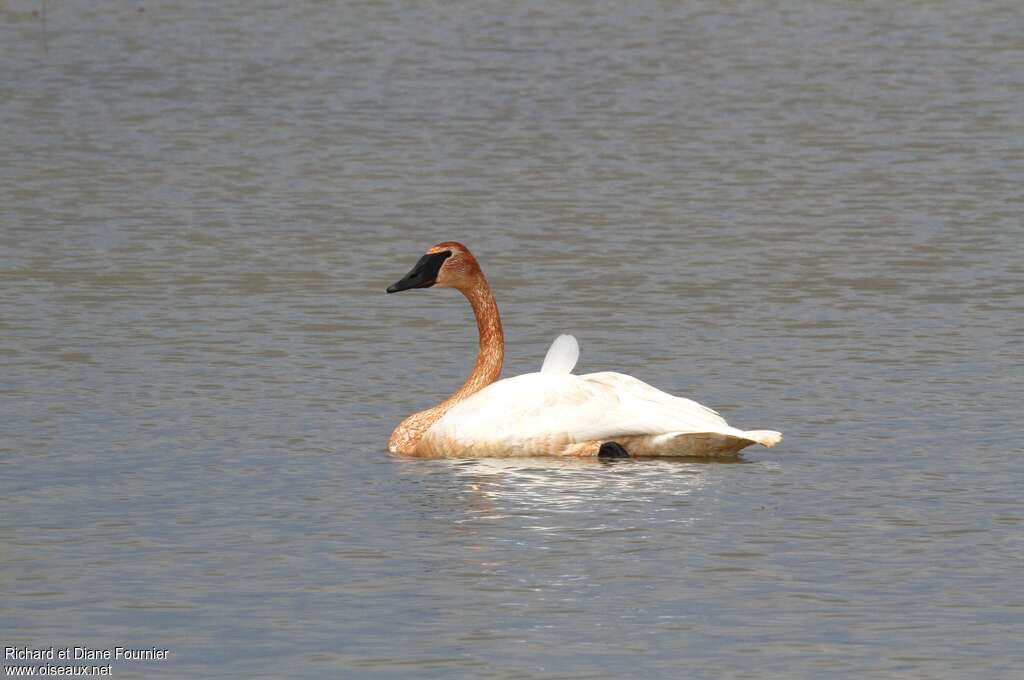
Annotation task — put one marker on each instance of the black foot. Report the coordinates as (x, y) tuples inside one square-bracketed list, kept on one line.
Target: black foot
[(612, 450)]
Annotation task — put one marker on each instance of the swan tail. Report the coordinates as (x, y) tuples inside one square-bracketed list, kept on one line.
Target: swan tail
[(767, 438)]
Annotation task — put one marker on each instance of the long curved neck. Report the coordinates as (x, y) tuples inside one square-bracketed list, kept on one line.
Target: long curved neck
[(486, 370)]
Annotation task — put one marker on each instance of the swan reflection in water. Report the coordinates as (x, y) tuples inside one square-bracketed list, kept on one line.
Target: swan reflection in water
[(497, 488)]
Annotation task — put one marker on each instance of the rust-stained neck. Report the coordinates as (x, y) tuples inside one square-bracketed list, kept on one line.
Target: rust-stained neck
[(492, 341), (486, 370)]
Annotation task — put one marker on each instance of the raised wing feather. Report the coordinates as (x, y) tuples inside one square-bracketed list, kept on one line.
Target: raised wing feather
[(562, 355)]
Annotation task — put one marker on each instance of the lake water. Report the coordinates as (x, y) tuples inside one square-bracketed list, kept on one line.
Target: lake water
[(805, 215)]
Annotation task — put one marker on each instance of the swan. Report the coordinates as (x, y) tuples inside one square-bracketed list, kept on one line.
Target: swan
[(551, 412)]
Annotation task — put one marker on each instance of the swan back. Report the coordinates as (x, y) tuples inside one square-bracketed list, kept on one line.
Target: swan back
[(539, 412)]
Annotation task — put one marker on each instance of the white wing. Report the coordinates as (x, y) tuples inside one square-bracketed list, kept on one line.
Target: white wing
[(643, 409), (647, 410), (559, 407), (562, 355)]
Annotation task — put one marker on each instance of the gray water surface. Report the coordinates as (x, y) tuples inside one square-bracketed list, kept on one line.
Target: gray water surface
[(804, 215)]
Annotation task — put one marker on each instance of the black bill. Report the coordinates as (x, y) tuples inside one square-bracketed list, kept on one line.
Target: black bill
[(423, 274)]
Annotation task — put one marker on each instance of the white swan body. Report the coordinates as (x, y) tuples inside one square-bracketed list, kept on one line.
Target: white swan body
[(556, 412), (553, 412)]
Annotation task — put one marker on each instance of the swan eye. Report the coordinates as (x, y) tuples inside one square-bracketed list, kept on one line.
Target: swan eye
[(423, 274)]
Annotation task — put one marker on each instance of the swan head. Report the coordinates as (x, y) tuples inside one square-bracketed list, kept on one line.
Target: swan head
[(446, 265)]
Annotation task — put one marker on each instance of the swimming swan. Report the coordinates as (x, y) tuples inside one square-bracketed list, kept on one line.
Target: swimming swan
[(552, 412)]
